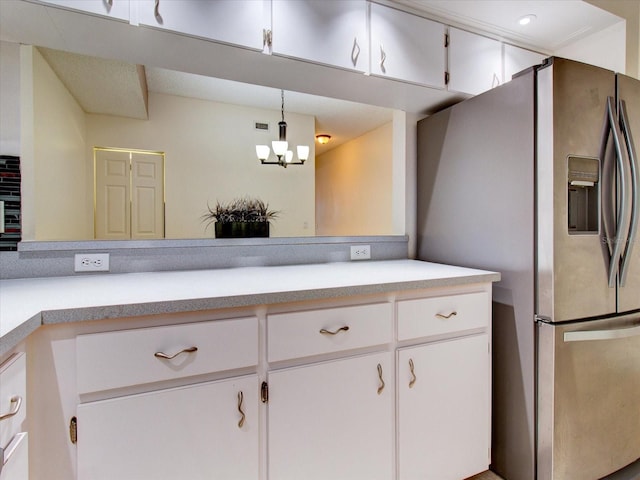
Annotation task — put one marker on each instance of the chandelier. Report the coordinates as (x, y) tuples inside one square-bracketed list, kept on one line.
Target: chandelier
[(280, 147)]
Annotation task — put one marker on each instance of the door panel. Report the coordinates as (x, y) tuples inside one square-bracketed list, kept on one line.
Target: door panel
[(589, 419), (629, 92), (573, 268), (147, 209), (112, 195), (332, 420), (129, 198), (200, 431), (444, 414)]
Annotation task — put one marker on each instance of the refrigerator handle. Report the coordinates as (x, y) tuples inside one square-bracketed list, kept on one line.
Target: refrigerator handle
[(635, 195), (585, 335), (621, 226)]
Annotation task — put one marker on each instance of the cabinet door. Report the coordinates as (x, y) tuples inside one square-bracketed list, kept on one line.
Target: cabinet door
[(332, 420), (332, 32), (194, 432), (407, 47), (16, 459), (443, 409), (475, 62), (115, 8), (238, 22), (517, 59)]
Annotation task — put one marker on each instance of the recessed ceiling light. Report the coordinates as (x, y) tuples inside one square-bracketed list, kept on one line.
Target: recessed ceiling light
[(527, 19)]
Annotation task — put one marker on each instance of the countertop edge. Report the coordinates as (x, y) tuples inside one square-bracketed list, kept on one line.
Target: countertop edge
[(52, 317), (117, 311), (11, 339)]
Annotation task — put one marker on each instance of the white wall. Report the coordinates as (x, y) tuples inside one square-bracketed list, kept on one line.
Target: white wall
[(57, 201), (605, 48), (354, 186), (10, 98), (210, 156)]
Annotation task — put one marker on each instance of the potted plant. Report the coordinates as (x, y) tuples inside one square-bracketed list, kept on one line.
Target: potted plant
[(240, 218)]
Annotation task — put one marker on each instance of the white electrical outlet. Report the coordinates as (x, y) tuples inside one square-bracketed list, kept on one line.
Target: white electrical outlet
[(360, 252), (91, 262)]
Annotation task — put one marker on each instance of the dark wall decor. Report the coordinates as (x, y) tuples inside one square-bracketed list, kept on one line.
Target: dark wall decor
[(10, 195)]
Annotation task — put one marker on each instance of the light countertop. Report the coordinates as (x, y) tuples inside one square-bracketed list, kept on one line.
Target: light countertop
[(25, 304)]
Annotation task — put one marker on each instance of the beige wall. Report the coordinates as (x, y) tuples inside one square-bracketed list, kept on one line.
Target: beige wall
[(10, 98), (210, 156), (354, 186), (605, 48), (630, 11), (56, 196)]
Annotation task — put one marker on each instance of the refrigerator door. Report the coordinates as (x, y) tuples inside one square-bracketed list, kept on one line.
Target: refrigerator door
[(629, 111), (589, 386), (573, 262)]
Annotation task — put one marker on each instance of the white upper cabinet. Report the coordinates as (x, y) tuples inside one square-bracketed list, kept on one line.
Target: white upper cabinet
[(475, 62), (331, 32), (517, 59), (407, 47), (110, 8), (227, 21)]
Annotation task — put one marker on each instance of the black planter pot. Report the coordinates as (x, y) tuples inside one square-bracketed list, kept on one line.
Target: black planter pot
[(241, 229)]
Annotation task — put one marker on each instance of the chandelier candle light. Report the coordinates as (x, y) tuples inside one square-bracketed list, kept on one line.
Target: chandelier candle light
[(281, 146)]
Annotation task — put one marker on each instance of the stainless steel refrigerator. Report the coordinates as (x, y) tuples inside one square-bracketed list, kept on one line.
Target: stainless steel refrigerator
[(539, 179)]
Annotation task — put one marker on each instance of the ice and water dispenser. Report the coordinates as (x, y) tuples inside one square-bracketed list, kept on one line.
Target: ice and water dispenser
[(583, 194)]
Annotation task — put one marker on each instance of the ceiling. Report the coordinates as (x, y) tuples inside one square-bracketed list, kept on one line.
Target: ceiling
[(558, 22), (118, 88)]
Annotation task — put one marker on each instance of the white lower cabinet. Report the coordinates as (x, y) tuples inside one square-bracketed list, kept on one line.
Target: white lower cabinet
[(394, 387), (443, 409), (332, 420), (202, 431), (13, 418)]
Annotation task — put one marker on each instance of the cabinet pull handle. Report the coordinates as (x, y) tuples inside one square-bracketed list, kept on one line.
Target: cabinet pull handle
[(452, 314), (156, 12), (170, 357), (16, 403), (383, 57), (242, 415), (381, 387), (355, 51), (267, 38), (412, 382), (324, 331)]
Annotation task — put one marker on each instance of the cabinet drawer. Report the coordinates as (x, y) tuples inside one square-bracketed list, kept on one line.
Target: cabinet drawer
[(315, 332), (441, 315), (13, 397), (131, 357)]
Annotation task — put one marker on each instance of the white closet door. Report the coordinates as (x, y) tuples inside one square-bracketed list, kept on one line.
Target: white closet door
[(112, 195), (147, 197)]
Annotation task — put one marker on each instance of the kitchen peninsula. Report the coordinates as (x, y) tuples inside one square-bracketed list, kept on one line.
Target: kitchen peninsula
[(147, 355)]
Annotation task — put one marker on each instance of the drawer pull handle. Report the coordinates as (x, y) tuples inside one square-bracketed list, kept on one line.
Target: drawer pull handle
[(381, 387), (170, 357), (16, 403), (413, 374), (242, 415), (324, 331), (452, 314)]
